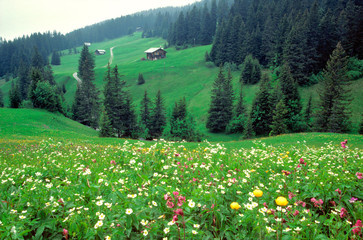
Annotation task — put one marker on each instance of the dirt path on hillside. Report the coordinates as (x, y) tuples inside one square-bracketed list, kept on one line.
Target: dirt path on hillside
[(79, 81), (111, 57)]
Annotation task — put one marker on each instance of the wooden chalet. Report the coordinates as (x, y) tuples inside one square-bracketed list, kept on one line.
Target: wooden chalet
[(155, 53), (100, 52)]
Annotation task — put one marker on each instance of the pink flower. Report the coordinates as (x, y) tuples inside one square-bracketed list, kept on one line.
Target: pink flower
[(357, 228), (338, 191), (179, 211), (359, 175), (181, 200), (65, 233), (212, 206), (296, 213), (343, 212), (353, 199), (265, 205), (194, 179), (113, 162), (170, 204), (317, 203), (291, 195), (167, 197), (176, 193), (175, 219), (178, 163)]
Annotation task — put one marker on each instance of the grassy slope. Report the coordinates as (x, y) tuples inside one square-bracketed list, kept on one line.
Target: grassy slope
[(29, 125), (182, 73), (32, 123)]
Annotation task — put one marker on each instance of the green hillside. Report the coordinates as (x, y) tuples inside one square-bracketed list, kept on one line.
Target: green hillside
[(182, 73), (33, 125), (38, 124)]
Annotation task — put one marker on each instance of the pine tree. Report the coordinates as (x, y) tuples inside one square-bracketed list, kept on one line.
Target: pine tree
[(55, 58), (36, 76), (45, 97), (251, 71), (279, 119), (249, 132), (220, 111), (291, 98), (158, 117), (140, 79), (238, 122), (182, 125), (24, 79), (89, 106), (14, 96), (332, 114), (261, 112), (294, 53), (145, 116), (105, 126)]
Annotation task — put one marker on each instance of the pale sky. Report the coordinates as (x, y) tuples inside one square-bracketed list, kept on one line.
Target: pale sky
[(23, 17)]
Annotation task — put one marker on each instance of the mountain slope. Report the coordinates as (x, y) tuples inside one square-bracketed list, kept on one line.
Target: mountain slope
[(34, 123)]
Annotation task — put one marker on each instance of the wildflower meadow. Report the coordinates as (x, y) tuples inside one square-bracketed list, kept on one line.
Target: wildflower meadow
[(167, 190)]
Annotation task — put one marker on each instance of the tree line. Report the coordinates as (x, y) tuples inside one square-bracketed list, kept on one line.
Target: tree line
[(301, 34), (277, 108), (116, 116)]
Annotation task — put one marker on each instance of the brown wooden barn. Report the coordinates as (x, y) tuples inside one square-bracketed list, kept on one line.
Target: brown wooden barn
[(155, 53)]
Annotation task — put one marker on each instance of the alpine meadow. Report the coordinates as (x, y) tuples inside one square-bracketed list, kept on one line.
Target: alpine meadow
[(221, 119)]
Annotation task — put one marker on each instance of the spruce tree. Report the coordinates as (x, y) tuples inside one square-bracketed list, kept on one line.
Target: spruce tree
[(182, 124), (221, 106), (89, 105), (55, 58), (140, 79), (261, 112), (14, 96), (105, 126), (279, 119), (332, 114), (251, 70), (238, 122), (158, 117), (145, 116), (24, 79), (291, 98), (36, 76)]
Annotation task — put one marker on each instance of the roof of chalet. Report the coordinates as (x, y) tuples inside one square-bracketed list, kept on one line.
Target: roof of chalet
[(100, 50), (151, 50)]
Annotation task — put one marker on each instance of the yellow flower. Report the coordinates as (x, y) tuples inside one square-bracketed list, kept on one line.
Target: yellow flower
[(258, 193), (281, 201), (235, 206)]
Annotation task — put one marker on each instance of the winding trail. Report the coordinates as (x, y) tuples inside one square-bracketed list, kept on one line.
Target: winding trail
[(79, 81), (111, 57)]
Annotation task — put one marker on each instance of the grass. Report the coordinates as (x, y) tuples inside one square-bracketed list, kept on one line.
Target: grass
[(34, 124), (60, 181), (182, 73)]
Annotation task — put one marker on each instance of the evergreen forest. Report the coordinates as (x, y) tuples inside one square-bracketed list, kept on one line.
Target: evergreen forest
[(277, 45)]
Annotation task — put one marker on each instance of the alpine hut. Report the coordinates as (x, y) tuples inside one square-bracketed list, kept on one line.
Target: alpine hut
[(155, 53)]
